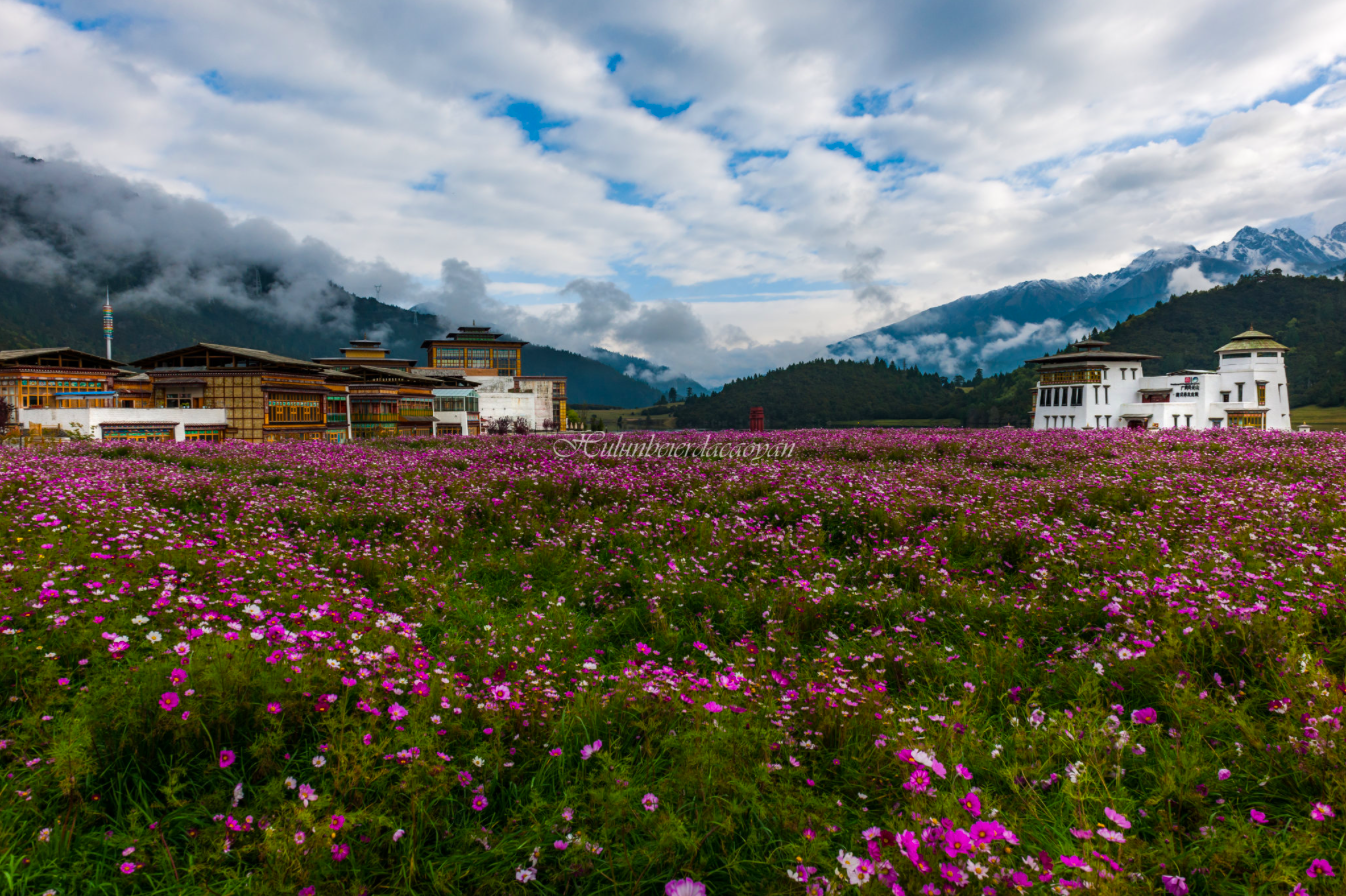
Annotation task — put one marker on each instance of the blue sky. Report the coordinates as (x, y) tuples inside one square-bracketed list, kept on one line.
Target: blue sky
[(723, 165)]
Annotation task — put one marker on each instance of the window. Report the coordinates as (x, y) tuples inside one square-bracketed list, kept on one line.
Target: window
[(1077, 396), (1268, 354), (1216, 423), (1224, 396), (448, 357), (1239, 386), (477, 357), (1261, 393), (293, 407)]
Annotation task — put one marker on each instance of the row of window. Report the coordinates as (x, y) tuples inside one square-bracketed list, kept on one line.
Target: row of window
[(477, 358), (293, 407)]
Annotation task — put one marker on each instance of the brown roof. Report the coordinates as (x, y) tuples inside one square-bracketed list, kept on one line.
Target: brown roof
[(253, 353), (1086, 357), (16, 356)]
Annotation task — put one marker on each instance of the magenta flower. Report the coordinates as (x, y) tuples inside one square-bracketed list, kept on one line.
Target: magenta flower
[(712, 706), (299, 838), (650, 802), (684, 887), (273, 708), (1176, 886), (1320, 866), (307, 794), (226, 758), (561, 844), (1117, 818), (963, 771), (1256, 816), (479, 802), (1321, 811), (971, 804), (590, 749), (1224, 774), (1145, 716), (127, 867), (338, 822), (169, 701), (178, 676), (1082, 834), (340, 852), (397, 712)]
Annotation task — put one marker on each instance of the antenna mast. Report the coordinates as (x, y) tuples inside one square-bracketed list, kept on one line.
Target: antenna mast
[(107, 320)]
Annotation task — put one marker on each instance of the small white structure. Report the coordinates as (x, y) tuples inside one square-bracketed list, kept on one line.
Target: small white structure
[(1091, 387), (516, 397), (180, 424), (456, 412)]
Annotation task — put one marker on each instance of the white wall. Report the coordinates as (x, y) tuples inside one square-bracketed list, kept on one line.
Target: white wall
[(89, 420)]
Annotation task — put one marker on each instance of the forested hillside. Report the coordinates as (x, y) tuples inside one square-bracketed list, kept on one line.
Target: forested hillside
[(1308, 314), (831, 392)]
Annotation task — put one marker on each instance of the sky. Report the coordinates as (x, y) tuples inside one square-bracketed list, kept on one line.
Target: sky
[(718, 186)]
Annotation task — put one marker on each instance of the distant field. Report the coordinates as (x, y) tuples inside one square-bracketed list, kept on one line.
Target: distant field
[(917, 423), (1319, 418), (633, 420)]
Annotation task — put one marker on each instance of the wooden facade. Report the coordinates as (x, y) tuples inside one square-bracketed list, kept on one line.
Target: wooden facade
[(475, 352), (267, 397), (34, 378)]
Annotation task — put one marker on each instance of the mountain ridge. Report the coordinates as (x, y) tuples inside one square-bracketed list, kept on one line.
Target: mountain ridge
[(996, 330)]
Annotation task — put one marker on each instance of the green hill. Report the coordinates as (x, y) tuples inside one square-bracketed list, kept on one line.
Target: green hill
[(834, 392), (1308, 314), (33, 315)]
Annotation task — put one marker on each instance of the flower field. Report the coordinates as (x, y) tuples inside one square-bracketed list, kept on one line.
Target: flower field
[(891, 662)]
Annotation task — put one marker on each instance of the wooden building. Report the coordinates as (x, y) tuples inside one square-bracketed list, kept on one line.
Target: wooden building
[(474, 352), (366, 353), (35, 377), (267, 397)]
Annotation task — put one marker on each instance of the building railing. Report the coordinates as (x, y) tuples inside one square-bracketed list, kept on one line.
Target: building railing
[(1070, 377)]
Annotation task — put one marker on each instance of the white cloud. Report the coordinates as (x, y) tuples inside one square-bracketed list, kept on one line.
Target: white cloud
[(1005, 141), (1188, 279)]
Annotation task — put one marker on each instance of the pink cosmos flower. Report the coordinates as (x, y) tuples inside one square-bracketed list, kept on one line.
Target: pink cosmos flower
[(554, 751), (307, 794), (397, 712), (590, 749), (273, 708), (178, 676), (1320, 866), (1117, 818), (712, 706), (1256, 816), (398, 834), (1321, 811), (1145, 716), (338, 822), (226, 758), (1176, 886), (500, 692), (971, 804), (684, 887), (127, 867), (963, 771), (479, 802), (1224, 774), (1082, 834), (650, 802), (169, 701), (299, 838), (561, 845), (340, 852)]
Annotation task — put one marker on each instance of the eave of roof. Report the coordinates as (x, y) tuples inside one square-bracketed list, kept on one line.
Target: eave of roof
[(1087, 357)]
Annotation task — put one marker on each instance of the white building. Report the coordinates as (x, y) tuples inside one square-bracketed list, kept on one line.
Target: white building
[(530, 399), (176, 424), (456, 412), (1090, 387)]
